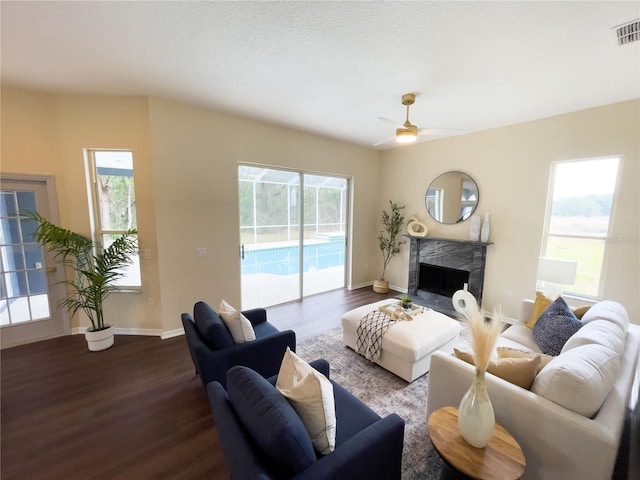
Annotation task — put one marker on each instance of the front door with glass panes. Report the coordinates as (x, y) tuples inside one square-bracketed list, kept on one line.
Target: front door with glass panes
[(29, 287)]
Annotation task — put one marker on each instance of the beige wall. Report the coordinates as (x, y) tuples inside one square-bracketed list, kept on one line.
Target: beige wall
[(511, 166), (196, 153), (186, 161), (47, 134)]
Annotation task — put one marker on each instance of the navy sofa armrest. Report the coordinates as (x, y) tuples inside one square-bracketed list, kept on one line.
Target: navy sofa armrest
[(255, 315), (264, 355), (375, 452), (192, 337), (239, 454)]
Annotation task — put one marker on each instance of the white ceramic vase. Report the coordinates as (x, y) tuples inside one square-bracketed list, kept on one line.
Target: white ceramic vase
[(474, 228), (486, 226), (476, 419)]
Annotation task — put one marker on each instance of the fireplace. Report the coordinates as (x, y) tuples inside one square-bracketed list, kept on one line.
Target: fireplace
[(441, 280), (438, 267)]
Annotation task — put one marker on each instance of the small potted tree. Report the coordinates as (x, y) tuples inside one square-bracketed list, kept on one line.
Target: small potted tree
[(95, 272), (388, 242)]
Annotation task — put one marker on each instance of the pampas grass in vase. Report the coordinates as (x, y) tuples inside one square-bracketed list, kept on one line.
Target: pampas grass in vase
[(476, 419)]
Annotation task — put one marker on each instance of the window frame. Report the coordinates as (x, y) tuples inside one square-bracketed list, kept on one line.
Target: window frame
[(612, 213), (97, 232)]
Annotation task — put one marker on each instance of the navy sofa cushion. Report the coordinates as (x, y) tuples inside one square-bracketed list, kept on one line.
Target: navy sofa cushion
[(555, 326), (270, 420), (211, 328)]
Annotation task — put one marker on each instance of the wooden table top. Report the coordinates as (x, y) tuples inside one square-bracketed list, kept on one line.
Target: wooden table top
[(502, 459)]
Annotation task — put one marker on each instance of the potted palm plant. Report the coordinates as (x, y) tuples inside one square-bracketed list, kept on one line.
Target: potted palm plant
[(95, 272), (388, 242)]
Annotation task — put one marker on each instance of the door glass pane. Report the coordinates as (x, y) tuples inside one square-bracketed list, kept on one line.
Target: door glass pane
[(269, 231), (324, 233), (23, 282)]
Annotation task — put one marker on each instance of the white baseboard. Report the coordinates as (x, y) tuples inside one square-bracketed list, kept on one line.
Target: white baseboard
[(149, 332), (172, 333)]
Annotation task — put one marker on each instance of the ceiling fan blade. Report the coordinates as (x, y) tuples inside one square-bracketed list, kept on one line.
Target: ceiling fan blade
[(391, 122), (386, 140), (440, 132)]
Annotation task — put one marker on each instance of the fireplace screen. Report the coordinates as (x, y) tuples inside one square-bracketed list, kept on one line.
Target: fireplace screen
[(441, 280)]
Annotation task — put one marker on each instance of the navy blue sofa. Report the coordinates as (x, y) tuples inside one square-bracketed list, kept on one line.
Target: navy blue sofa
[(213, 350), (263, 438)]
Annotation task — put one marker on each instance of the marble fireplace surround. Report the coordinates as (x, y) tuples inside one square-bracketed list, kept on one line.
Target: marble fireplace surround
[(463, 255)]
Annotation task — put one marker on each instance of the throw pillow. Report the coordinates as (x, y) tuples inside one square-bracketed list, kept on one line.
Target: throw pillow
[(519, 371), (239, 325), (540, 305), (311, 395), (555, 326), (507, 352), (271, 421), (211, 328)]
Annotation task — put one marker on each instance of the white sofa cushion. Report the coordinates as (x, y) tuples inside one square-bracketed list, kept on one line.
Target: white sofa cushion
[(519, 336), (610, 311), (598, 332), (579, 379)]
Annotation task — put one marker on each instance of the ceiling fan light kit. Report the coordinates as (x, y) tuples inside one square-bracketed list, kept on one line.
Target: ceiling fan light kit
[(406, 135)]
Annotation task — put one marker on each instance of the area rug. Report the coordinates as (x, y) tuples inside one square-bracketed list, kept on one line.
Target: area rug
[(384, 393)]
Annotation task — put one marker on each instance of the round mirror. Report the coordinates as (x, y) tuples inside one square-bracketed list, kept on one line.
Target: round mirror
[(452, 197)]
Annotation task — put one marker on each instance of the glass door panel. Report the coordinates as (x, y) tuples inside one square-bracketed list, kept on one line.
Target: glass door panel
[(325, 218), (269, 236), (27, 298)]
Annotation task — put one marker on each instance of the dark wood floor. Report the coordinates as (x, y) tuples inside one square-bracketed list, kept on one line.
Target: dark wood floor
[(135, 411)]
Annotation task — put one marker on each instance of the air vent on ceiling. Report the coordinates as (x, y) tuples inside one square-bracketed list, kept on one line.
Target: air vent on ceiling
[(629, 32)]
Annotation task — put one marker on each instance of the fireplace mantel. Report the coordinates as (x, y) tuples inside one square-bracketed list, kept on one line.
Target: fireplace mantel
[(459, 254)]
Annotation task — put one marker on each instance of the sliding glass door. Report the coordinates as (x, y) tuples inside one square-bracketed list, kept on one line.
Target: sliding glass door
[(293, 234)]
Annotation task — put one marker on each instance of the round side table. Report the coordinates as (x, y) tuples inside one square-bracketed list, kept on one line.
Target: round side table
[(502, 459)]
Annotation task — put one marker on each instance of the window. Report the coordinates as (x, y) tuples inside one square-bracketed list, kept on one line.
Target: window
[(578, 219), (113, 199)]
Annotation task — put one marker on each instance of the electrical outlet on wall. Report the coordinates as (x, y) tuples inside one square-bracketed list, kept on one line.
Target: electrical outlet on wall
[(201, 252)]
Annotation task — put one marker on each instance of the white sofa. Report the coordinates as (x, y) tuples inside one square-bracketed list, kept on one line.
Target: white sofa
[(558, 443)]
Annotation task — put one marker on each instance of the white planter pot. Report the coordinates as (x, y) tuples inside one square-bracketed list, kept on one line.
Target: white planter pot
[(101, 339)]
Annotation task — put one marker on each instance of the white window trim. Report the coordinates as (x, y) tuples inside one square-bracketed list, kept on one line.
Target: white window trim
[(94, 214), (614, 204)]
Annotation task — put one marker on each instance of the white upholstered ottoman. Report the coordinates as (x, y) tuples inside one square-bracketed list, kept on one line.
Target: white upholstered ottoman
[(407, 345)]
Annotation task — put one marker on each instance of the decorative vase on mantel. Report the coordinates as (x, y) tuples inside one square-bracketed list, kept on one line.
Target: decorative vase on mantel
[(486, 226), (476, 419)]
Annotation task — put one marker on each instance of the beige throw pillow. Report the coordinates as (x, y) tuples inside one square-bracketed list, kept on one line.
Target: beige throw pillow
[(519, 371), (239, 326), (311, 395), (506, 352)]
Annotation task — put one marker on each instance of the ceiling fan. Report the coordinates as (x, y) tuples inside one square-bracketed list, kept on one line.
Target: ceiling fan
[(407, 132)]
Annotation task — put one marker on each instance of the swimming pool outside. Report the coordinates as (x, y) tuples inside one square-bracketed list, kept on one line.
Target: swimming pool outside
[(282, 258)]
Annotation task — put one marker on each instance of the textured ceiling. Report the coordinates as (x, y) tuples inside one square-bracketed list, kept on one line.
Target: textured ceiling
[(332, 68)]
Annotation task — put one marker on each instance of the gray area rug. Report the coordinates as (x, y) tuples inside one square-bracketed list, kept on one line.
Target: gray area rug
[(383, 392)]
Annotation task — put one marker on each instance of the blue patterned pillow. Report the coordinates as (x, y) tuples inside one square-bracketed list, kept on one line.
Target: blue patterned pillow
[(554, 327)]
